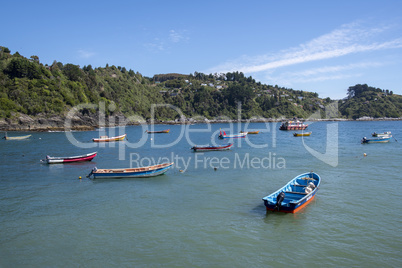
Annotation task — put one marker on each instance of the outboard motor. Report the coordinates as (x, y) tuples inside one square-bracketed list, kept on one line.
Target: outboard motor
[(279, 200)]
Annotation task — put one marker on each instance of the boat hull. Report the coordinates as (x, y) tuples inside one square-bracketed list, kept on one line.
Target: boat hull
[(212, 148), (297, 194), (111, 139), (292, 208), (302, 134), (143, 172), (239, 136), (161, 131), (71, 159), (293, 125), (377, 140), (385, 134), (18, 137)]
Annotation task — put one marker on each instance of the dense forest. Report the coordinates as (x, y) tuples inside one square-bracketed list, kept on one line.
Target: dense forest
[(28, 87)]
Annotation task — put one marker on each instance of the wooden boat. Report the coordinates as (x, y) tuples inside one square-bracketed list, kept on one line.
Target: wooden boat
[(212, 148), (109, 139), (16, 137), (251, 132), (385, 134), (293, 125), (377, 139), (222, 135), (69, 159), (159, 131), (303, 134), (295, 195), (139, 172)]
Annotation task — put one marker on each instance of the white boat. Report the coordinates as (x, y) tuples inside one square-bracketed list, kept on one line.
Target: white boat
[(385, 134), (16, 137)]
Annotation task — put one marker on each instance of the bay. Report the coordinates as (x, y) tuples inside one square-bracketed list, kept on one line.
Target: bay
[(207, 210)]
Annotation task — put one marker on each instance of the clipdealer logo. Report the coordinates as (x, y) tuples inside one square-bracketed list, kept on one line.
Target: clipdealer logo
[(330, 156)]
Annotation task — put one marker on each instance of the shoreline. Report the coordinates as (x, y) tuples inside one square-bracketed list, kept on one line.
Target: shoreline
[(81, 126)]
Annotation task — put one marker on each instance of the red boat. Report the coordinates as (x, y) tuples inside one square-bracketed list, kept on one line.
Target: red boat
[(293, 125), (69, 159), (212, 148)]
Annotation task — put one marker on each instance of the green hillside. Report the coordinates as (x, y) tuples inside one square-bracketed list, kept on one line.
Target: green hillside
[(28, 87), (370, 102)]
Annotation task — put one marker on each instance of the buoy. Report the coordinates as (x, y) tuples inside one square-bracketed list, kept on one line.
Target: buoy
[(79, 177), (365, 154)]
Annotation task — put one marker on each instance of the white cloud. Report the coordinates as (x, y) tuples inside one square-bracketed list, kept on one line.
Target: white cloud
[(156, 46), (175, 37), (164, 43), (85, 54), (348, 39), (329, 72)]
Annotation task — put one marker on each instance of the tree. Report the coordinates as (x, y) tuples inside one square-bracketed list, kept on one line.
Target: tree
[(21, 67), (73, 72), (35, 58)]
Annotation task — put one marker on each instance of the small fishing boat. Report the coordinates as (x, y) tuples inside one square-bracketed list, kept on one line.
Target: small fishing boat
[(109, 139), (295, 195), (158, 131), (377, 139), (212, 148), (303, 134), (69, 159), (293, 125), (222, 135), (16, 137), (251, 132), (139, 172), (385, 134)]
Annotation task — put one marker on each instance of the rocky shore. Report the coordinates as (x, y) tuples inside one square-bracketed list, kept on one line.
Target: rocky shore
[(22, 122)]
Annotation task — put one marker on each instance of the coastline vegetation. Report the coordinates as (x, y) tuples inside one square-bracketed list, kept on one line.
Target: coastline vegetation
[(31, 88)]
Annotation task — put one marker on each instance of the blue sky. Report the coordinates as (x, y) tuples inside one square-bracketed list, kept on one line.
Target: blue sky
[(318, 46)]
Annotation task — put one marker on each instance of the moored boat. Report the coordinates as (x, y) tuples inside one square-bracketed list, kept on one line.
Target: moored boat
[(16, 137), (295, 195), (109, 139), (377, 139), (69, 159), (303, 134), (149, 171), (158, 131), (223, 135), (293, 125), (385, 134), (212, 148), (250, 132)]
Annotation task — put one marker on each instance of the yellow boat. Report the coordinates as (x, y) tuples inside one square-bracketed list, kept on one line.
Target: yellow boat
[(250, 132), (109, 139), (303, 134)]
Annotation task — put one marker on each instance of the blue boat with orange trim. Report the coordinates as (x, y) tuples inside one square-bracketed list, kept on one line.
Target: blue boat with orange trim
[(295, 195)]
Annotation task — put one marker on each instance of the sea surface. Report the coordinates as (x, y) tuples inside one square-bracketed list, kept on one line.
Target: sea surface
[(207, 211)]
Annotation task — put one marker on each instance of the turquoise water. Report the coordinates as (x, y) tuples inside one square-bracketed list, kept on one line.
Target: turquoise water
[(207, 210)]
